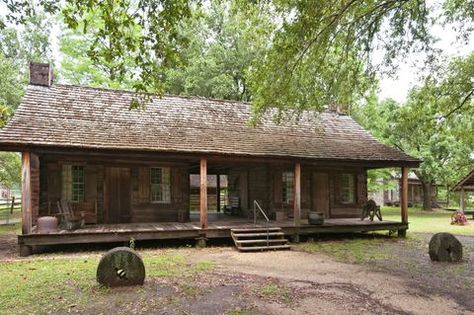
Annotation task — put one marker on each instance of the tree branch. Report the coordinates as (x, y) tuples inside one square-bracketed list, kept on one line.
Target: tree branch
[(468, 96)]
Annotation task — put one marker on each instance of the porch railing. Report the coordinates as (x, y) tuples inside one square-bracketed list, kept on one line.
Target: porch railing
[(256, 206)]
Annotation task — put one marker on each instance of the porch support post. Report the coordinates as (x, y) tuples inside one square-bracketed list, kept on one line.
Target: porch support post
[(218, 196), (462, 200), (26, 192), (404, 195), (297, 205), (203, 199)]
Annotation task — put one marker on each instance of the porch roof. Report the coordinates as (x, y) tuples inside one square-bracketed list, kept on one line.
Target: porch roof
[(466, 183), (78, 117)]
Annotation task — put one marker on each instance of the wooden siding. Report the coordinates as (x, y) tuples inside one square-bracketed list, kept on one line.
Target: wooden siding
[(258, 188), (143, 210), (262, 182)]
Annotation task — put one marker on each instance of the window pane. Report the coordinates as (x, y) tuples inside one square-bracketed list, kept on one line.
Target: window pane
[(73, 184), (288, 189), (160, 184), (347, 188), (77, 183)]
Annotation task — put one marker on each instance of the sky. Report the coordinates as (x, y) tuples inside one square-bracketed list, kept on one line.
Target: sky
[(396, 86), (408, 73)]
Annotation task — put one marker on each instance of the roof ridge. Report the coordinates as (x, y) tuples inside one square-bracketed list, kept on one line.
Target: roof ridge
[(108, 89)]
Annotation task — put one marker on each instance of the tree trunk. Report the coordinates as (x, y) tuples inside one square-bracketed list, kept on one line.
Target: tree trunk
[(427, 200)]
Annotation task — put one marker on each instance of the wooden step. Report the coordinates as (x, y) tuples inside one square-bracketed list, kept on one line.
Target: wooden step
[(271, 234), (260, 248), (272, 240), (258, 239), (271, 229)]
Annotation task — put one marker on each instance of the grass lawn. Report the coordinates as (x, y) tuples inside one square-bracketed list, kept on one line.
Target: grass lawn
[(429, 221), (10, 228), (60, 284), (51, 284)]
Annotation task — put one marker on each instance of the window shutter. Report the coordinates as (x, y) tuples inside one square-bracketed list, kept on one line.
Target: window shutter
[(144, 184)]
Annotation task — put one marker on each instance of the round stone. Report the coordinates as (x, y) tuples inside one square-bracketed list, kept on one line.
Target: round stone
[(121, 266), (445, 247)]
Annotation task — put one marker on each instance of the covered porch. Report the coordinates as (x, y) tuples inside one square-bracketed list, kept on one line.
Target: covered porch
[(123, 190)]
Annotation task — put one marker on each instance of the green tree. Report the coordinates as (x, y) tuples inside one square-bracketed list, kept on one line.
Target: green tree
[(378, 117), (18, 46), (321, 52), (223, 45), (78, 67), (431, 125)]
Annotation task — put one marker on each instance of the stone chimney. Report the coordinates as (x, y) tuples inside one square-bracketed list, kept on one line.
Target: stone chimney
[(41, 74), (335, 108)]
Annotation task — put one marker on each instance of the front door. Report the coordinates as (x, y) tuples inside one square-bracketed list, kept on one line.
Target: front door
[(118, 194), (321, 193)]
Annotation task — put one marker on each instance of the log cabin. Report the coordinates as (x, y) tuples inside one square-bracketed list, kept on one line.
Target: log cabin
[(171, 169)]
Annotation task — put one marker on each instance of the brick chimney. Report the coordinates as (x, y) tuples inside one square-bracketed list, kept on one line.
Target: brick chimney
[(41, 74)]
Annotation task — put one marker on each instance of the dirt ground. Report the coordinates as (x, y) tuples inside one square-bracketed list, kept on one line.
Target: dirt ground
[(330, 287), (276, 282)]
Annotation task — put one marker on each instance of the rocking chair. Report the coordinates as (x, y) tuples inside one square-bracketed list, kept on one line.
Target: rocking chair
[(68, 219)]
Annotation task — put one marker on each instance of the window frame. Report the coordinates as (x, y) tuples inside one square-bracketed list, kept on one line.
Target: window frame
[(288, 187), (73, 185), (165, 184), (352, 192)]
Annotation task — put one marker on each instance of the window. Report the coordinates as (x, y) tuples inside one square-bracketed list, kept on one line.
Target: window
[(73, 183), (288, 187), (348, 188), (160, 184)]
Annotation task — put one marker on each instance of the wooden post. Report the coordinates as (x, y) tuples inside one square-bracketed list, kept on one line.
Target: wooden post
[(404, 195), (26, 192), (218, 197), (203, 201), (297, 205), (462, 200)]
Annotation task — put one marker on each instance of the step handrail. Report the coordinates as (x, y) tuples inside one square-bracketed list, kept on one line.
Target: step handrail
[(256, 206)]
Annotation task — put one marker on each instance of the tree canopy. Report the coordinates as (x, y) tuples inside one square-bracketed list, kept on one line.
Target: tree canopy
[(321, 52), (17, 48), (434, 125)]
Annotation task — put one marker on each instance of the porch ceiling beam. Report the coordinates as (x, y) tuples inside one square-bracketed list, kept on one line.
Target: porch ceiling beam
[(214, 157)]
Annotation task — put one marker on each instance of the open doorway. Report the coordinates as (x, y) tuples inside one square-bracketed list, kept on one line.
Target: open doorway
[(217, 193)]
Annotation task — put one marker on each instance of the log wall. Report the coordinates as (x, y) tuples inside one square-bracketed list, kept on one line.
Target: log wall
[(262, 182)]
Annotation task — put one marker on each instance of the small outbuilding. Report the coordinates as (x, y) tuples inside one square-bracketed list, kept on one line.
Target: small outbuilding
[(464, 187)]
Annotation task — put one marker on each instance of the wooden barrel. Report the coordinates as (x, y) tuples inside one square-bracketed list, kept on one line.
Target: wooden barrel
[(47, 224), (316, 218)]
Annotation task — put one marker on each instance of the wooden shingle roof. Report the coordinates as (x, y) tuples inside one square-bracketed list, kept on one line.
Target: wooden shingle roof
[(90, 118), (466, 183)]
